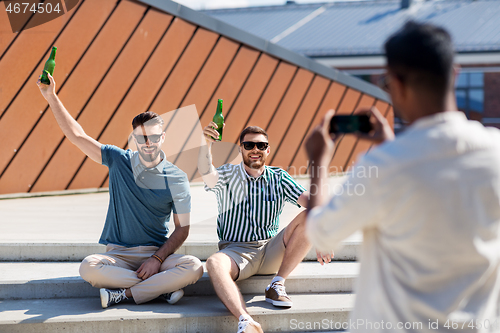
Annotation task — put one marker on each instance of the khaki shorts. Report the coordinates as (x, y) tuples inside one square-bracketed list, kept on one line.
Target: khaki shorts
[(259, 257)]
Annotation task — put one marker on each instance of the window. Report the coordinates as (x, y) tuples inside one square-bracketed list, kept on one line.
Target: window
[(469, 90), (364, 77)]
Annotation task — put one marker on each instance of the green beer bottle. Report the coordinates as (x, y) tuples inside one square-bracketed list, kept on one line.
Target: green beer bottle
[(219, 119), (49, 66)]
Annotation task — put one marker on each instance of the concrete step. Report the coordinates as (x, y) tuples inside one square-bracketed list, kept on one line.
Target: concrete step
[(62, 280), (44, 252), (204, 314)]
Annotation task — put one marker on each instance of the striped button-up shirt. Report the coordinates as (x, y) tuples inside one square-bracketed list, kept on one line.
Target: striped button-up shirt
[(249, 208)]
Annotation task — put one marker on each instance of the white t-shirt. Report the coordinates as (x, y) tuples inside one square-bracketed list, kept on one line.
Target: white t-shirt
[(428, 204)]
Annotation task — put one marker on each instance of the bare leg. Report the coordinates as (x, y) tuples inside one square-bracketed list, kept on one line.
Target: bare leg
[(223, 271), (296, 243)]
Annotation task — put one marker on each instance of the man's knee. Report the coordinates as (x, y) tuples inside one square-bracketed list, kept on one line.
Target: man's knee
[(222, 263), (298, 225), (217, 262), (193, 266), (300, 219), (88, 268)]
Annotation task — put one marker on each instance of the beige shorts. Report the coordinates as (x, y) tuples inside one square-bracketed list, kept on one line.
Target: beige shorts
[(259, 257)]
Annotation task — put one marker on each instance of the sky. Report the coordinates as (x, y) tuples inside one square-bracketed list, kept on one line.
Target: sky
[(213, 4)]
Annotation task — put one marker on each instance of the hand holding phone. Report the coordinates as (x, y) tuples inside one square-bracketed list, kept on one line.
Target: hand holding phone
[(367, 123), (343, 124)]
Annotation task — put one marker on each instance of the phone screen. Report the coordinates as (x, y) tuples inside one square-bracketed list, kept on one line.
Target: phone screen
[(350, 124)]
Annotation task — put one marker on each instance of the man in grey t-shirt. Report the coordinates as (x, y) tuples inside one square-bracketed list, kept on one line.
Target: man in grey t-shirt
[(145, 188)]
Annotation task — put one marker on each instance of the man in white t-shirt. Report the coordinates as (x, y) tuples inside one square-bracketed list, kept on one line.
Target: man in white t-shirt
[(427, 201)]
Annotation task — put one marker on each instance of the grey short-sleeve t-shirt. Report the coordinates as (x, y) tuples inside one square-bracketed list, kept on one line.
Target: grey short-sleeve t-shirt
[(140, 199)]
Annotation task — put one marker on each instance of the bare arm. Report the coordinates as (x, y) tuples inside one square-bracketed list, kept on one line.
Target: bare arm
[(303, 200), (320, 149), (70, 127), (323, 257), (152, 266), (208, 172), (177, 238)]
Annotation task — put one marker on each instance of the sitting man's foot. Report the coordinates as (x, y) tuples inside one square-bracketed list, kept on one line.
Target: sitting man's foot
[(249, 326), (111, 296), (174, 296), (276, 295)]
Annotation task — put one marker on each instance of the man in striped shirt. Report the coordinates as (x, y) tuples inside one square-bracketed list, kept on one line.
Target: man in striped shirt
[(250, 198)]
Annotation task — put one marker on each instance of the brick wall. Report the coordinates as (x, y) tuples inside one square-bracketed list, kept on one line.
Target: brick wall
[(491, 95)]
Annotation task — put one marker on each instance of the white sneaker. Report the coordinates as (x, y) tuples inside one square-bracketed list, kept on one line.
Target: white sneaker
[(110, 296), (174, 296), (249, 326)]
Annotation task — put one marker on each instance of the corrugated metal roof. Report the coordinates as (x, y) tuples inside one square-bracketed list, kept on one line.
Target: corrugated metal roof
[(360, 28), (268, 23)]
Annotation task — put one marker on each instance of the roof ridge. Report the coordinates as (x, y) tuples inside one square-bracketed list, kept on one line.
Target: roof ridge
[(330, 3), (266, 7), (305, 5)]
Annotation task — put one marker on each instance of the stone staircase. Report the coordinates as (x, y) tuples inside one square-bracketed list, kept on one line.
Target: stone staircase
[(43, 238), (41, 291)]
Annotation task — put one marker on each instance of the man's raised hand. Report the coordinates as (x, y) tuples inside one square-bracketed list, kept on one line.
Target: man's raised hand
[(210, 133), (46, 89)]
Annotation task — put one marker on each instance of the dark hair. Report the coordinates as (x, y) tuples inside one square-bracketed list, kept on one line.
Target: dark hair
[(253, 130), (423, 54), (148, 118)]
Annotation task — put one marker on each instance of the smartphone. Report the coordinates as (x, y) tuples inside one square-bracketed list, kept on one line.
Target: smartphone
[(350, 124)]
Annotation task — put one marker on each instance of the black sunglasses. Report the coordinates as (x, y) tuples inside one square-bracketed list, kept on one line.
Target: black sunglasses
[(154, 138), (248, 145)]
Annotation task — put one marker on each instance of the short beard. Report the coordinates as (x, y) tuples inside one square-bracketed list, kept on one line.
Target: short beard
[(254, 164), (150, 157)]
